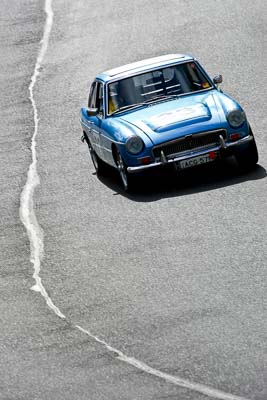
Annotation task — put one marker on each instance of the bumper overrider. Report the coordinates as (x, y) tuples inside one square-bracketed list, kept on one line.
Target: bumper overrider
[(222, 147)]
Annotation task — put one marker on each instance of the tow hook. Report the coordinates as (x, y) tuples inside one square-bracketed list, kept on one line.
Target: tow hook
[(83, 138)]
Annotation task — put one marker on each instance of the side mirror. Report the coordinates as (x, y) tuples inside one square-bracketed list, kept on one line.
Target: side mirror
[(217, 79), (92, 112)]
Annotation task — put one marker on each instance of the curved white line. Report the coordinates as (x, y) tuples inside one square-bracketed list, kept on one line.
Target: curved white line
[(35, 235), (197, 387), (27, 214)]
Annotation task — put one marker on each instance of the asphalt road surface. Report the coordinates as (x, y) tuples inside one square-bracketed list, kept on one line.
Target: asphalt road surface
[(157, 295)]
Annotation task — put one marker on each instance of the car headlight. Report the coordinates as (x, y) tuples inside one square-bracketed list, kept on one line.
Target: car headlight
[(236, 118), (134, 144)]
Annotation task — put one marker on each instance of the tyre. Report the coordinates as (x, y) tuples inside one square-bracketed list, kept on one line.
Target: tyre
[(126, 178), (100, 166), (248, 158)]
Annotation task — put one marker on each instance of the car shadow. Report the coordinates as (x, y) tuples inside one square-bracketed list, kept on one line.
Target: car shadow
[(162, 183)]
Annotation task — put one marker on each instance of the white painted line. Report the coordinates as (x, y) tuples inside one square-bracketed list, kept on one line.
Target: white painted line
[(197, 387), (27, 214), (35, 235)]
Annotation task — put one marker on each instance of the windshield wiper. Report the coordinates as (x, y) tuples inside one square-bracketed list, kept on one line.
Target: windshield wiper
[(146, 102), (127, 107)]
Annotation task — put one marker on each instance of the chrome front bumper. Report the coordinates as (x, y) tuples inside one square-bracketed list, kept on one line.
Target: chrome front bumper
[(166, 161)]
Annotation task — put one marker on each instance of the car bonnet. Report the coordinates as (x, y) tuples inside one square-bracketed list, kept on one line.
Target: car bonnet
[(174, 118)]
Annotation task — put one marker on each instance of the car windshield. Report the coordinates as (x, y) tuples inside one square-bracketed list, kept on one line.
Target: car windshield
[(156, 85)]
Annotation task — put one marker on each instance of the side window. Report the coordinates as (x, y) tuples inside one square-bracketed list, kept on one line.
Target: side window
[(96, 97), (92, 96)]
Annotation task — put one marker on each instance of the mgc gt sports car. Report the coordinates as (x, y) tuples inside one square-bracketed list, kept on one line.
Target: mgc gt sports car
[(160, 112)]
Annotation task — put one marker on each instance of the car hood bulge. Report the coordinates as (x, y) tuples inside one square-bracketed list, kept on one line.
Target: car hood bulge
[(174, 118)]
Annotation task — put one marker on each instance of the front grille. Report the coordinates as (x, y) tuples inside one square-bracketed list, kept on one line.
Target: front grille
[(190, 142)]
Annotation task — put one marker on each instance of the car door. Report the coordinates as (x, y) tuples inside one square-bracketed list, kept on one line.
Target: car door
[(94, 122)]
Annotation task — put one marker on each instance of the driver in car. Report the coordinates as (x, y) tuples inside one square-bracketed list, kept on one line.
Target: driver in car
[(118, 96)]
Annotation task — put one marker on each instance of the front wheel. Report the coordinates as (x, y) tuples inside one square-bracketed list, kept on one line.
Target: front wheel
[(126, 178), (99, 165), (248, 158)]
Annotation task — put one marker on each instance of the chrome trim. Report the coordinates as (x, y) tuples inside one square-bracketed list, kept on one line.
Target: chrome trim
[(107, 149), (83, 122), (190, 136), (222, 142), (112, 140), (192, 154), (163, 158), (207, 146)]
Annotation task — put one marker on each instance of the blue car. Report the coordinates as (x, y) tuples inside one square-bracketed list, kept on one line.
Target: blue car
[(163, 111)]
